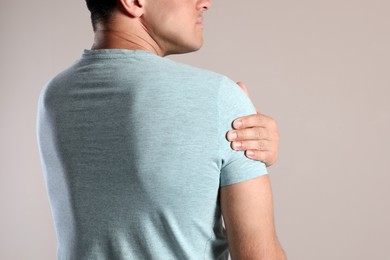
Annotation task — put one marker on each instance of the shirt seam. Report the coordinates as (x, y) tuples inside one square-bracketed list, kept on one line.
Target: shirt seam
[(219, 132), (218, 125)]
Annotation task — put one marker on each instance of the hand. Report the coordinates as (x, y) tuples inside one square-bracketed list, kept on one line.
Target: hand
[(258, 134)]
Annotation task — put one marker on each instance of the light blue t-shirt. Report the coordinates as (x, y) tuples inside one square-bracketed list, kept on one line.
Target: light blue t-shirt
[(133, 148)]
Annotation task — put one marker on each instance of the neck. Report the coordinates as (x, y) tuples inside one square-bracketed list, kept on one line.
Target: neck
[(108, 38)]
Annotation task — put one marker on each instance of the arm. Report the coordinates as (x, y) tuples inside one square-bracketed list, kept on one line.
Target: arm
[(247, 211)]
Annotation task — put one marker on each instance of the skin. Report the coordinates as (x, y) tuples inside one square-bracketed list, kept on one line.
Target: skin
[(257, 133), (166, 27)]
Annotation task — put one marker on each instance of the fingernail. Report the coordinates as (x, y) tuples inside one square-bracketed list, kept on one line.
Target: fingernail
[(238, 123), (233, 135), (250, 153)]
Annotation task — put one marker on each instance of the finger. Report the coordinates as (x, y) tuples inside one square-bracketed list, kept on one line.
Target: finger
[(254, 133), (267, 157), (253, 120), (263, 145), (243, 87)]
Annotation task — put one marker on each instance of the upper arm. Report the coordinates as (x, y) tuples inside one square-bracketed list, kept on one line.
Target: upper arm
[(245, 189), (235, 166), (247, 210)]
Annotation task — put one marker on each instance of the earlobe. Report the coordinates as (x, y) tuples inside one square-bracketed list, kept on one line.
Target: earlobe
[(133, 7)]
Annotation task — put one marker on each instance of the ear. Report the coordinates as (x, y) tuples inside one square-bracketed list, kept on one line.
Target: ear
[(135, 8)]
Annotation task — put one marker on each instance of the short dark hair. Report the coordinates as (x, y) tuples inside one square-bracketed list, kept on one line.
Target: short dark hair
[(101, 10)]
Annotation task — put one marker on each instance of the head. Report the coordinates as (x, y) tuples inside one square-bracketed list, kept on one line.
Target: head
[(173, 25)]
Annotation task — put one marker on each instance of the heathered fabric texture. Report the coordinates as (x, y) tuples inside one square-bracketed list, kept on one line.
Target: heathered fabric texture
[(134, 151)]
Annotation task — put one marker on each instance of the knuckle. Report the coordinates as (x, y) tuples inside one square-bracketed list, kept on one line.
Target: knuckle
[(260, 145), (241, 134), (259, 134), (267, 133)]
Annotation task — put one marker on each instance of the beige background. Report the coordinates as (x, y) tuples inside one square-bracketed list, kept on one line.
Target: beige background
[(320, 68)]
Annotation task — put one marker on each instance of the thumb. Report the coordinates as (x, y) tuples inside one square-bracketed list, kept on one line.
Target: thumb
[(243, 87)]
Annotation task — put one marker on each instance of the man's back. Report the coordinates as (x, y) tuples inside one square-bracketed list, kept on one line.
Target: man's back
[(134, 153)]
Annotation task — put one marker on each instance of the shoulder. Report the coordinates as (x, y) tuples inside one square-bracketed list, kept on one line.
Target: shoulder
[(226, 86), (197, 72), (229, 92), (56, 85)]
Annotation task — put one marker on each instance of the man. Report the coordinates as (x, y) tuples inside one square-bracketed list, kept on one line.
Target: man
[(134, 148)]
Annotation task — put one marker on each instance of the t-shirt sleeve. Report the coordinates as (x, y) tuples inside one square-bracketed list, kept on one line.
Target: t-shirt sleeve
[(235, 166)]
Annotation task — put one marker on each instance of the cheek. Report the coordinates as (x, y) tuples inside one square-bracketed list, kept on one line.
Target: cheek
[(177, 26), (173, 24)]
